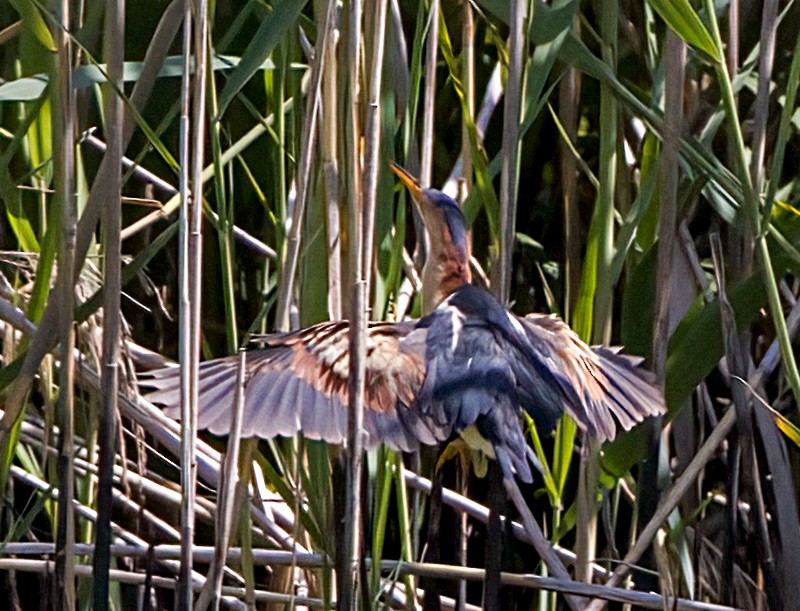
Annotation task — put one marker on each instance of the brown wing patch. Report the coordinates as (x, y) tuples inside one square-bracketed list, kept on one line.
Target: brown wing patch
[(320, 358), (394, 372), (298, 383), (314, 355)]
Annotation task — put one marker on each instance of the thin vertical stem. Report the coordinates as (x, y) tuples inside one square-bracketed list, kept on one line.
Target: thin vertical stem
[(667, 224), (607, 175), (501, 270), (429, 97), (468, 82), (586, 542), (785, 129), (112, 282), (185, 346), (64, 180), (229, 478), (732, 58), (363, 255), (675, 61), (355, 414), (568, 103), (224, 228), (192, 161), (303, 172), (465, 185), (761, 114), (372, 139), (330, 170)]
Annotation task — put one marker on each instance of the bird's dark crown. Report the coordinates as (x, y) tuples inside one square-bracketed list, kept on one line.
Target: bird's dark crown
[(452, 214)]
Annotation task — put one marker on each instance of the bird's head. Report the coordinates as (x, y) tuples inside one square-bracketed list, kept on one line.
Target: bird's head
[(441, 214), (447, 241)]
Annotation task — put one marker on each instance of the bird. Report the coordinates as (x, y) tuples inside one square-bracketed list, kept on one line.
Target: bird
[(467, 368)]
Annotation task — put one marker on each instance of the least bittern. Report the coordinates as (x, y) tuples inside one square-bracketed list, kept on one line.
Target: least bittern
[(469, 364)]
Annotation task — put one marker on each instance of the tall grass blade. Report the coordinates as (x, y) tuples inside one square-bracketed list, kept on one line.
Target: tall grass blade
[(112, 285), (350, 555), (304, 170), (283, 16), (64, 179), (193, 123), (509, 179)]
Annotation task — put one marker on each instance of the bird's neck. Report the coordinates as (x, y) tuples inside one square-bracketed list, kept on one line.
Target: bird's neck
[(442, 276)]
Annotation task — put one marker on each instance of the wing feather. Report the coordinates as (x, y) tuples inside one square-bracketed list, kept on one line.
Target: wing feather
[(613, 388), (298, 383), (469, 364)]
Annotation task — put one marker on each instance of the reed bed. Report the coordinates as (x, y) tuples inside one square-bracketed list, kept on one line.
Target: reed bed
[(180, 176)]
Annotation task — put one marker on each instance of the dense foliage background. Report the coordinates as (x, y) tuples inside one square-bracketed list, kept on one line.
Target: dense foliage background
[(630, 166)]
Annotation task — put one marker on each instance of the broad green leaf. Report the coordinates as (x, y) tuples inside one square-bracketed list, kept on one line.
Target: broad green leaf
[(33, 21), (26, 89), (274, 27), (697, 344), (537, 73), (29, 88), (316, 479), (498, 8), (636, 324), (583, 317), (553, 490), (551, 21), (563, 450), (619, 456), (8, 187), (684, 21), (19, 222), (648, 225), (313, 294), (44, 269), (547, 21)]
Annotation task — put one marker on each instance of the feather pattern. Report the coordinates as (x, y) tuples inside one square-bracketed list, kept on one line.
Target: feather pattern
[(470, 363)]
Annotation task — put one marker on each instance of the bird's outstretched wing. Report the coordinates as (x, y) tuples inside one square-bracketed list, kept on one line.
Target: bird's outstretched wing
[(469, 365), (298, 383), (484, 363), (600, 387)]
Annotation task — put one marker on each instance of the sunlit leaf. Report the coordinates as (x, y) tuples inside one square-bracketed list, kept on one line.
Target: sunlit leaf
[(33, 21), (684, 21), (30, 88), (24, 89)]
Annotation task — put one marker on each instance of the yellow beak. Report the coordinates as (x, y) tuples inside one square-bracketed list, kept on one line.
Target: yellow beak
[(409, 181)]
